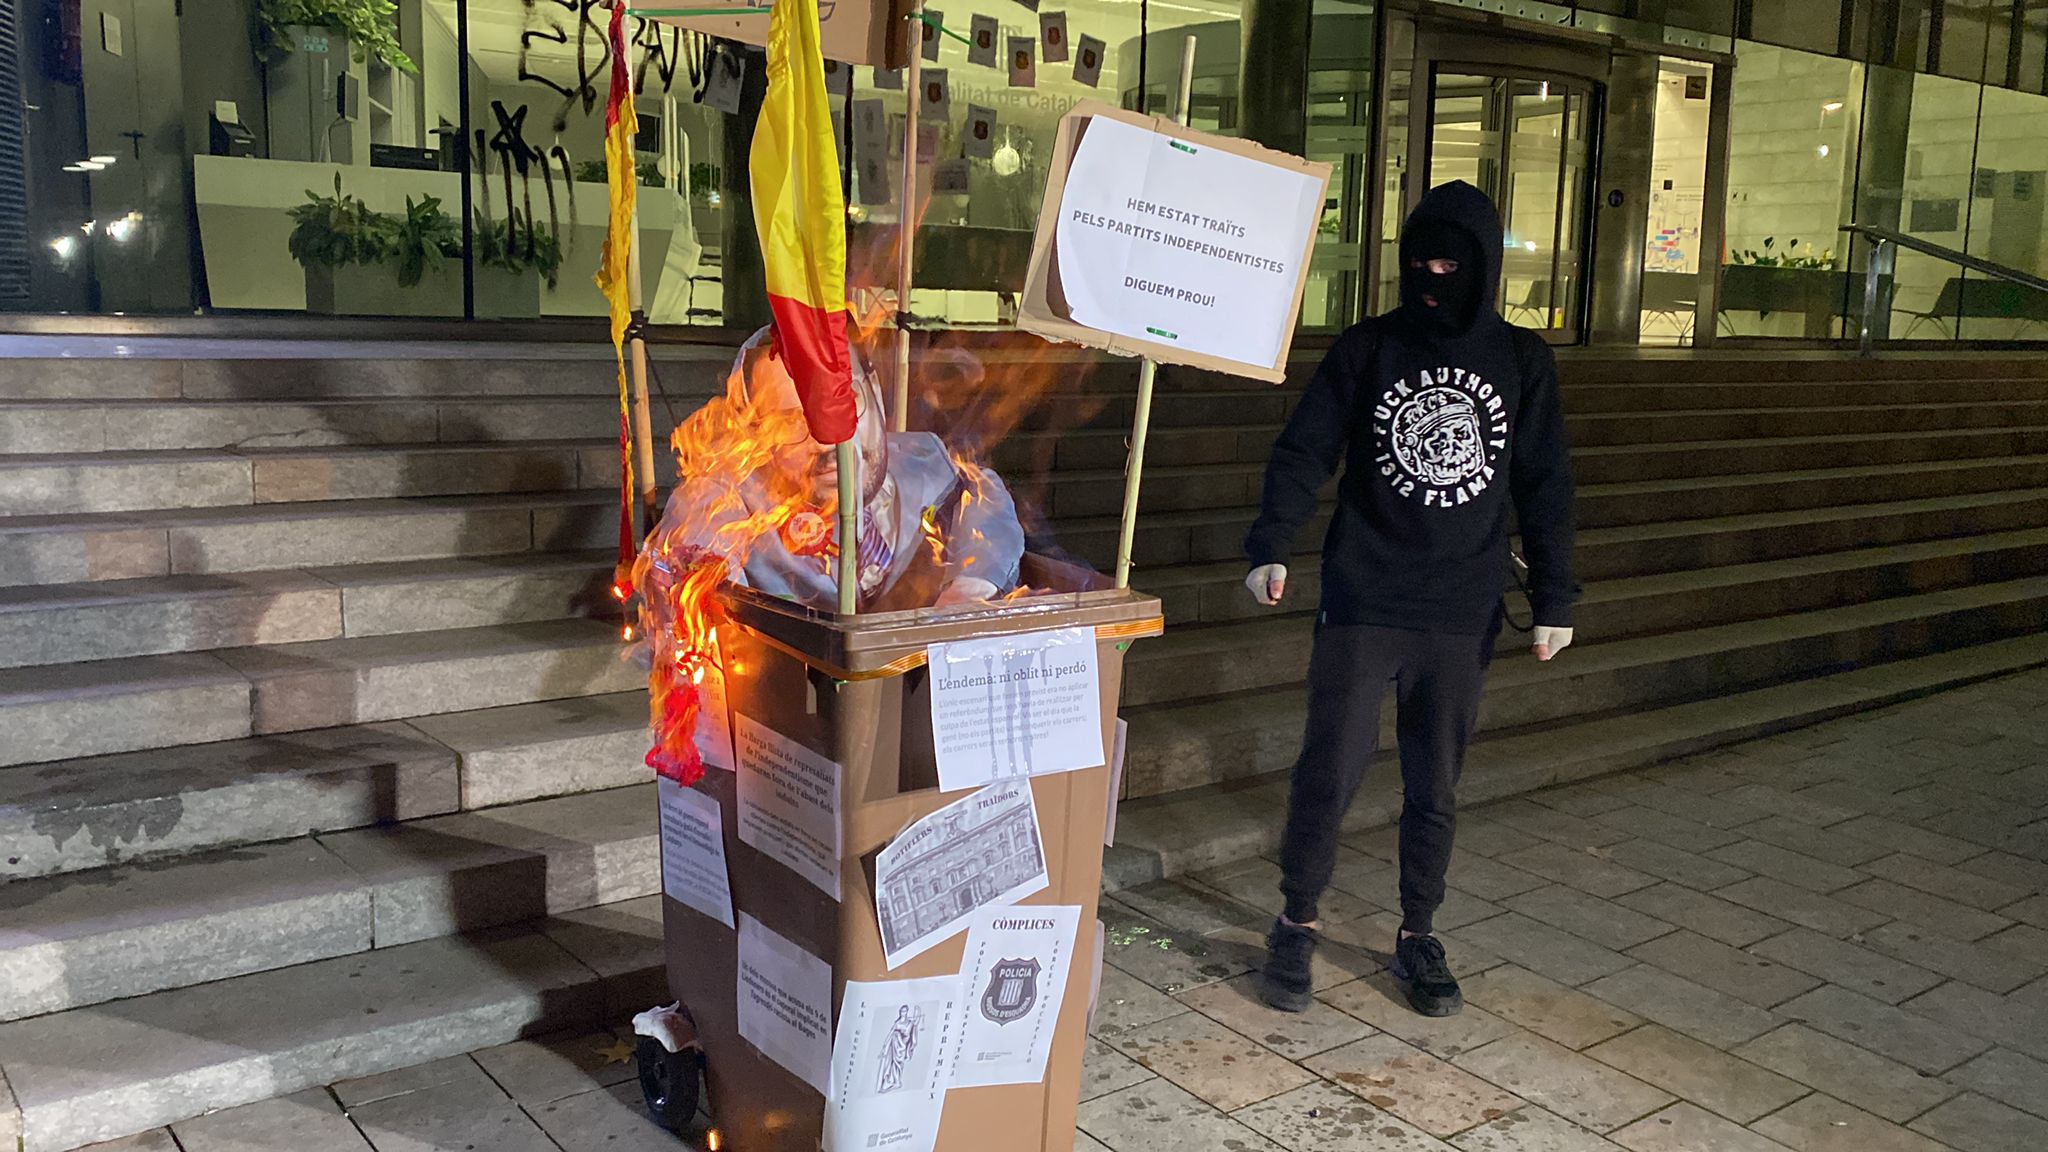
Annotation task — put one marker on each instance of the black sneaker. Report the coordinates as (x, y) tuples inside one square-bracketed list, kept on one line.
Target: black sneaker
[(1432, 990), (1284, 982)]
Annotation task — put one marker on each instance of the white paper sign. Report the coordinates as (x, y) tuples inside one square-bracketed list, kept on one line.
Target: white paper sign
[(693, 851), (978, 139), (1026, 704), (838, 78), (890, 79), (1052, 30), (722, 87), (981, 850), (1178, 243), (933, 21), (789, 803), (981, 40), (785, 1003), (1088, 60), (951, 178), (1023, 69), (891, 1059), (714, 722), (938, 98), (1013, 980)]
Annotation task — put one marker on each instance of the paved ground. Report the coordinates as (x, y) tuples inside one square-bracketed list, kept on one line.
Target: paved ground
[(1830, 941)]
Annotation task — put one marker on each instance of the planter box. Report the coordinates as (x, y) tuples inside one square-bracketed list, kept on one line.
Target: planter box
[(373, 290)]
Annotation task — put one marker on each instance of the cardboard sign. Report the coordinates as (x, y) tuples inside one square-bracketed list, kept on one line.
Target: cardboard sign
[(1159, 241), (929, 45), (981, 41), (1052, 30), (978, 139), (938, 98), (856, 31), (1023, 69), (1088, 64)]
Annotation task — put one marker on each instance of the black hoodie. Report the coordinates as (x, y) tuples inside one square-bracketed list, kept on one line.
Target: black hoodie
[(1436, 430)]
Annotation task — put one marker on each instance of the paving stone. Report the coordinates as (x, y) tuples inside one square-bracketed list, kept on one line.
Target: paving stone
[(1713, 811), (1539, 947), (1379, 1001), (462, 1069), (1126, 1003), (1565, 1082), (308, 1121), (2033, 910), (450, 1118), (1674, 865), (1802, 906), (1859, 969), (1804, 809), (1367, 877), (1491, 838), (1546, 1007), (1256, 882), (548, 748), (1384, 842), (1666, 829), (1321, 1117), (1604, 922), (1580, 868), (2008, 1077), (1692, 1071), (1374, 936), (1686, 1128), (10, 1114), (1190, 908), (1821, 1123), (1168, 960), (1683, 1006), (1944, 918), (1105, 1070), (1531, 1130), (1749, 978), (1850, 793), (1333, 963), (1846, 1072), (1219, 1066), (1550, 824), (1808, 840), (77, 1074), (2022, 942), (549, 1068), (1983, 964), (1900, 836), (1490, 879), (611, 1119), (2005, 1020), (1783, 864), (88, 937), (1083, 1142), (1236, 1005), (2007, 868), (1156, 1116), (155, 1140), (1710, 916), (1421, 1089), (1589, 798), (1949, 883), (1971, 1123)]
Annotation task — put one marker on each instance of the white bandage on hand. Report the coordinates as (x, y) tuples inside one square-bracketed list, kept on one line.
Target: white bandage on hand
[(1548, 641), (1267, 582)]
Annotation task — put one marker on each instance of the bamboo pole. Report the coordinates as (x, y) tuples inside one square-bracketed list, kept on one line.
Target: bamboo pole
[(906, 231), (1148, 374), (643, 426)]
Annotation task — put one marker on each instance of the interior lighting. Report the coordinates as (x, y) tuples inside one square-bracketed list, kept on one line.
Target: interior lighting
[(1832, 106), (1529, 245), (124, 228), (64, 246), (91, 165), (103, 160), (76, 168), (1823, 150)]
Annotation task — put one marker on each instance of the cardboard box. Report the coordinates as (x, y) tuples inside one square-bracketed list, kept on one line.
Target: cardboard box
[(852, 31), (854, 689), (1043, 309)]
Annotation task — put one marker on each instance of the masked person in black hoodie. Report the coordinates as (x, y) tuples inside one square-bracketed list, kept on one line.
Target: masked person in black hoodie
[(1444, 416)]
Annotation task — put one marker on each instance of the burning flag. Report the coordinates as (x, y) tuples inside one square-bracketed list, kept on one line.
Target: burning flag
[(620, 124), (801, 216)]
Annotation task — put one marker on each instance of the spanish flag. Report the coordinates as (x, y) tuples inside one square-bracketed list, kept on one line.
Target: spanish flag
[(620, 125), (801, 216)]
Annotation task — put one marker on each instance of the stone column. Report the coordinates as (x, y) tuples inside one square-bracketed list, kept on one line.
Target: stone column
[(1623, 206), (1272, 75)]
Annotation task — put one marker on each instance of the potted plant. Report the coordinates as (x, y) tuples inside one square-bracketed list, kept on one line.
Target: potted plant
[(511, 263), (359, 261), (370, 26)]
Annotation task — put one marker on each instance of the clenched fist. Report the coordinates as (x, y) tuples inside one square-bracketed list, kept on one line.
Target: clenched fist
[(1268, 582)]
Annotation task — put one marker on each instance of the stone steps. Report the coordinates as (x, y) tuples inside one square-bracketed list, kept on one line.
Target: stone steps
[(1192, 829), (1649, 396), (1253, 723), (118, 545), (83, 938), (1638, 462), (65, 711), (152, 615), (67, 815), (97, 1073)]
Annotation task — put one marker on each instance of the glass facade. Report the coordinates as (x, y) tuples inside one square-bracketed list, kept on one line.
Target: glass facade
[(443, 158)]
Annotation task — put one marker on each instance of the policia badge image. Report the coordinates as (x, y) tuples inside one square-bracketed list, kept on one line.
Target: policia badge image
[(1012, 991)]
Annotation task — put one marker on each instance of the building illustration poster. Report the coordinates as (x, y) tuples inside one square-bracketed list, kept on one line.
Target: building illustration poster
[(980, 851)]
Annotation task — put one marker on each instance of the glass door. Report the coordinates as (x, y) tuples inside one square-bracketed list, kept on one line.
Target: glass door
[(1523, 140)]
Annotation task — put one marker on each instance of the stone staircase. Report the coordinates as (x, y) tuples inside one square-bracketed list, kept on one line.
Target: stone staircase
[(317, 757)]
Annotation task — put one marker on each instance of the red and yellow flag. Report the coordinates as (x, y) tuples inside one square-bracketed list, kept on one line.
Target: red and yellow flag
[(621, 122), (800, 213)]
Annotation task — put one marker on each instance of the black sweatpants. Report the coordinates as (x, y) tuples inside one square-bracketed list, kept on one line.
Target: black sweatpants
[(1437, 679)]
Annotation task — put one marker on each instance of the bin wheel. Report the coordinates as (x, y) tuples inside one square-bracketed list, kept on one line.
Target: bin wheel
[(669, 1082)]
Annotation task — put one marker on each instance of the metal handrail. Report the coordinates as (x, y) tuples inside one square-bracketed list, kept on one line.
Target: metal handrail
[(1884, 243)]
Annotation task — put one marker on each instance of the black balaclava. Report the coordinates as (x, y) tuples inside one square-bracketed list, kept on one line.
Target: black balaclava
[(1456, 293)]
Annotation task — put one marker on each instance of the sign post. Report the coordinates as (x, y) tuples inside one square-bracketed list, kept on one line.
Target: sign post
[(906, 228)]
